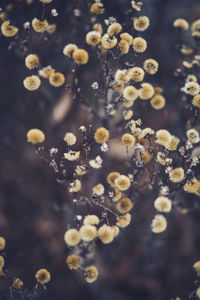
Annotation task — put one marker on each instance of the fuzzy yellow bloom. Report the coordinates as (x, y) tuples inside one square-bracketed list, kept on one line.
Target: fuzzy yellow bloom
[(176, 175), (91, 220), (73, 261), (122, 76), (111, 178), (195, 26), (88, 232), (151, 66), (124, 205), (72, 237), (128, 114), (159, 224), (198, 292), (31, 61), (158, 102), (35, 136), (163, 204), (191, 186), (196, 101), (108, 42), (75, 186), (181, 23), (46, 1), (57, 79), (2, 262), (163, 137), (128, 140), (173, 143), (80, 56), (70, 138), (122, 183), (114, 29), (97, 8), (43, 276), (8, 30), (98, 189), (141, 23), (98, 27), (93, 38), (115, 230), (101, 135), (136, 74), (139, 45), (39, 26), (147, 91), (191, 88), (3, 16), (130, 93), (124, 221), (32, 83), (147, 132), (123, 46), (17, 284), (196, 266), (127, 37), (46, 72), (2, 243), (193, 136), (92, 274), (69, 49), (105, 234)]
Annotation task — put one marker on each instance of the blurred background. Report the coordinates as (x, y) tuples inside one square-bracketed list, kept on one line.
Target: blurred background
[(34, 208)]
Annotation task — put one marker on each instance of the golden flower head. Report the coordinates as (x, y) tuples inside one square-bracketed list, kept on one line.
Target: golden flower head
[(191, 88), (198, 292), (91, 274), (35, 136), (72, 155), (93, 38), (43, 276), (17, 284), (32, 83), (105, 234), (115, 230), (3, 16), (72, 237), (181, 23), (117, 196), (46, 1), (8, 30), (196, 101), (123, 46), (163, 204), (91, 220), (114, 29), (31, 61), (108, 42), (97, 8), (98, 189), (163, 137), (2, 243), (130, 93), (80, 56), (124, 221), (2, 262), (122, 76), (128, 140), (57, 79), (173, 143), (127, 37), (101, 135), (176, 175), (46, 72), (159, 224), (122, 183), (73, 261), (191, 186), (88, 232), (193, 135), (136, 74), (141, 23), (151, 66), (111, 178), (75, 186), (39, 26), (127, 114), (147, 132), (139, 45), (124, 205), (98, 27), (69, 49), (70, 138), (196, 266), (158, 102), (195, 26), (147, 91)]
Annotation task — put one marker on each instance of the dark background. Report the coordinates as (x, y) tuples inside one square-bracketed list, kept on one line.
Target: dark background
[(34, 209)]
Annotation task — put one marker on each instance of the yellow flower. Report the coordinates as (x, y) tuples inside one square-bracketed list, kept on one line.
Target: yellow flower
[(57, 79), (151, 66), (105, 234), (176, 175), (163, 137), (98, 27), (141, 23), (101, 135), (43, 276), (196, 101), (17, 284), (80, 56), (97, 8), (92, 274), (88, 232), (98, 189), (127, 37), (114, 29), (123, 46), (136, 74), (72, 237), (147, 91), (111, 178), (124, 205), (70, 138), (2, 243), (75, 186), (31, 61), (124, 221), (46, 1), (46, 72), (122, 183), (73, 262), (108, 42), (8, 30), (35, 136), (93, 38), (193, 136), (128, 140), (130, 93), (32, 83), (39, 26), (158, 102), (2, 262), (181, 23), (72, 155), (159, 224), (196, 266), (69, 49), (122, 76), (91, 220), (139, 45), (163, 204), (191, 88)]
